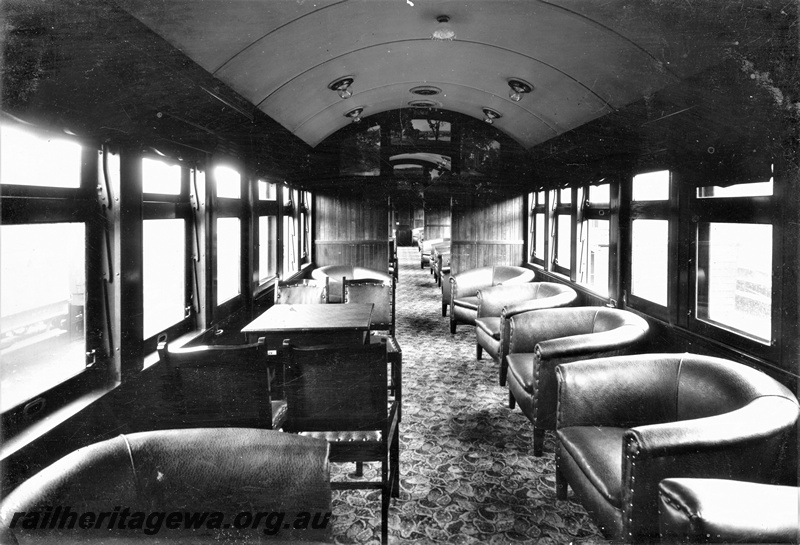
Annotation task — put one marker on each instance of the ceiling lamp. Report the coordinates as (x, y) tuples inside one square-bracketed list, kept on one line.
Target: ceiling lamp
[(518, 88), (491, 115), (355, 114), (443, 29), (342, 86), (424, 104)]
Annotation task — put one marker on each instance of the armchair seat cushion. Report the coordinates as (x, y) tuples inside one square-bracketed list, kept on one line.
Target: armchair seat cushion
[(489, 325), (467, 302), (520, 366), (597, 451)]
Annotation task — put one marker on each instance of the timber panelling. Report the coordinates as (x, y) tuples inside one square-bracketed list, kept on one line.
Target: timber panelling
[(487, 232), (352, 231)]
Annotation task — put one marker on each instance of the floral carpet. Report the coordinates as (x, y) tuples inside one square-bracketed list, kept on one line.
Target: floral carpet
[(468, 474)]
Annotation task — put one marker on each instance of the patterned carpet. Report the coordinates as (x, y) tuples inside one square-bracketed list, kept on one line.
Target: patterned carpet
[(467, 471)]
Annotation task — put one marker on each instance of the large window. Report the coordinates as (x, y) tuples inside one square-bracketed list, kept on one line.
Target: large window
[(562, 259), (291, 242), (164, 274), (536, 221), (229, 257), (22, 159), (734, 277), (593, 243), (228, 213), (42, 297), (650, 241)]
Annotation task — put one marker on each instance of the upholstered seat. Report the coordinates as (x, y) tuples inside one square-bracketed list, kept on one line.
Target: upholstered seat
[(498, 304), (726, 511), (335, 274), (541, 339), (626, 423), (223, 470), (426, 248), (464, 289)]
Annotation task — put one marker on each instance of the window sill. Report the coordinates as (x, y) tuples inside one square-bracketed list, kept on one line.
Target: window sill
[(51, 421)]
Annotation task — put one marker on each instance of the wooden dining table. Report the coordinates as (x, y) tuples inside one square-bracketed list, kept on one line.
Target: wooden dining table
[(307, 325)]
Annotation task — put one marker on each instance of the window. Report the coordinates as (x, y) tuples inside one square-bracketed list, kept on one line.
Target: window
[(267, 191), (651, 186), (267, 247), (21, 153), (160, 177), (290, 265), (594, 239), (562, 260), (734, 277), (164, 274), (759, 189), (649, 263), (43, 295), (229, 239), (536, 222), (305, 224), (651, 242), (229, 182)]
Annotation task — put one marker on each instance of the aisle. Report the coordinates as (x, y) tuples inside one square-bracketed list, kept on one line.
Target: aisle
[(467, 474)]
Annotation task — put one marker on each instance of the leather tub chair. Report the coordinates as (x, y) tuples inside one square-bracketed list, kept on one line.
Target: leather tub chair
[(725, 511), (445, 287), (464, 289), (225, 470), (497, 305), (436, 259), (541, 339), (627, 423), (426, 248), (335, 274)]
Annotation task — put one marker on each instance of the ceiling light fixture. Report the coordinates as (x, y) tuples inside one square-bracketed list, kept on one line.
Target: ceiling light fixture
[(518, 88), (443, 29), (424, 104), (425, 90), (342, 86), (491, 115), (355, 114)]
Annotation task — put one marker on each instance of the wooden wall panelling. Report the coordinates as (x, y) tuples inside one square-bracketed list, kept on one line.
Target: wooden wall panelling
[(487, 232), (437, 221), (352, 230)]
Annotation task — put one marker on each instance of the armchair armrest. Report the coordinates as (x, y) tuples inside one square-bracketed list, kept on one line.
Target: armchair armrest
[(605, 343), (493, 300), (620, 391), (467, 283), (554, 301)]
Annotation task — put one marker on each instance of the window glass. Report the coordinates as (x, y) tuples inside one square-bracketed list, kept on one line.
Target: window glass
[(164, 274), (267, 191), (538, 248), (32, 159), (760, 189), (540, 197), (42, 302), (228, 259), (600, 194), (649, 249), (651, 186), (594, 256), (734, 277), (565, 196), (563, 244), (290, 265), (229, 182), (160, 177), (267, 247)]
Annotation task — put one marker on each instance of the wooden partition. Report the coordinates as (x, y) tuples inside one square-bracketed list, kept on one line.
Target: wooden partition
[(487, 231), (352, 230), (437, 221)]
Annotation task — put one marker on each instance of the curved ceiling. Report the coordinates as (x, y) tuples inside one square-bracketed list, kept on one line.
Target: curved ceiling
[(584, 59)]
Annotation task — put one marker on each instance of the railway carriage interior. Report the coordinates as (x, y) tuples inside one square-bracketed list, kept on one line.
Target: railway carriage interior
[(577, 224)]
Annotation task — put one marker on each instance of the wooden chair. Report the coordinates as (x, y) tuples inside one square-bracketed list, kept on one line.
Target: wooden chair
[(382, 326), (338, 393), (221, 386), (302, 292)]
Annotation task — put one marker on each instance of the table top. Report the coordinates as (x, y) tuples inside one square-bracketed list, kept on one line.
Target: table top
[(321, 317)]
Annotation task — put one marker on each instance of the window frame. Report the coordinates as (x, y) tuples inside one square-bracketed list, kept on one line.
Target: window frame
[(595, 211), (537, 205), (558, 209), (265, 208)]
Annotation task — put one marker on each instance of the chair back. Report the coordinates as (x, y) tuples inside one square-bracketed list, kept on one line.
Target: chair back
[(380, 294), (220, 386), (336, 387), (303, 292)]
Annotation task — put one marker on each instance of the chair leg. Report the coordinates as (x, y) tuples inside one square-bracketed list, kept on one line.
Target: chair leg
[(511, 401), (503, 371), (452, 324), (478, 351), (385, 503), (394, 463), (538, 441), (444, 309), (359, 469), (561, 485)]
